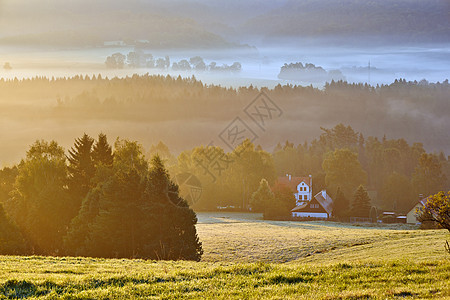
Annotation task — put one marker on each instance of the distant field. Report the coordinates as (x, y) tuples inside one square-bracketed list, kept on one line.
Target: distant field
[(243, 260)]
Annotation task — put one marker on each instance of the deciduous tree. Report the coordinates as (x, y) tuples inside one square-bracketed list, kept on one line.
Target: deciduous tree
[(40, 198), (343, 170), (436, 209), (428, 177), (262, 197)]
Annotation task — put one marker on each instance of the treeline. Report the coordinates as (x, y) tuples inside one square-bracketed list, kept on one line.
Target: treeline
[(140, 59), (401, 105), (194, 113), (395, 173), (93, 201)]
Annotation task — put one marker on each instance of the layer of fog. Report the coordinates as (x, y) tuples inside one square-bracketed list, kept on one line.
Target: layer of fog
[(260, 67)]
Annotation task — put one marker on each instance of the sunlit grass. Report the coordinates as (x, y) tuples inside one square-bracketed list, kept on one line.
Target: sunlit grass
[(324, 261), (247, 238)]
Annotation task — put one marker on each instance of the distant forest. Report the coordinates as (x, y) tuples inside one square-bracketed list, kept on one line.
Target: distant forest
[(186, 113), (357, 22)]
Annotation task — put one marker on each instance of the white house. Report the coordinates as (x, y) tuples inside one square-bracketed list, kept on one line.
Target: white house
[(319, 207), (301, 187), (411, 217)]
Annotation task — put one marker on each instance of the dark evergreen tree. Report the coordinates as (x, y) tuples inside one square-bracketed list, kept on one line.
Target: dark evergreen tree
[(176, 231), (81, 169), (340, 204), (361, 203), (283, 200), (75, 239), (11, 239), (134, 212), (102, 151), (120, 228)]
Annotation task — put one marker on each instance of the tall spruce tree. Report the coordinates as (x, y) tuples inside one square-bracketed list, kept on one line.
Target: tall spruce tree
[(340, 204), (102, 151), (361, 203), (81, 169), (176, 230)]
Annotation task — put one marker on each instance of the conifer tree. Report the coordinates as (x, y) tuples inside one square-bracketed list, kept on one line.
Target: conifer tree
[(361, 203), (340, 204), (134, 212), (102, 151), (81, 168), (176, 231), (283, 201)]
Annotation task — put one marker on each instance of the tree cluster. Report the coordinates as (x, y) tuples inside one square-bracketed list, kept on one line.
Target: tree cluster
[(140, 59), (341, 159), (97, 202), (309, 72)]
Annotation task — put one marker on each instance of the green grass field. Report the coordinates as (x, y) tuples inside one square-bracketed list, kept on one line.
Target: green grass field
[(247, 258)]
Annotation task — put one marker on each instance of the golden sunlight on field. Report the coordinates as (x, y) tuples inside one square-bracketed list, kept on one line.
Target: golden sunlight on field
[(247, 238)]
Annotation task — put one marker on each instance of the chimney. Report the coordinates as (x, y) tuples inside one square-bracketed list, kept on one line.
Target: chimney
[(289, 177), (324, 194)]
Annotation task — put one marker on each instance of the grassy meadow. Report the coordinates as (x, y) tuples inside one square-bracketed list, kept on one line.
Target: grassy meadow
[(246, 258)]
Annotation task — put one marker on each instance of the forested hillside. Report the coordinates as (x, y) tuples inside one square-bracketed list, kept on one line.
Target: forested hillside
[(208, 24), (356, 21), (185, 113)]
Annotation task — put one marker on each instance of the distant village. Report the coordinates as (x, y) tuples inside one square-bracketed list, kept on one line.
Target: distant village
[(320, 206)]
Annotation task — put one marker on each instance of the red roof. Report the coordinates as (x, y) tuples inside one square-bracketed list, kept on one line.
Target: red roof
[(294, 182)]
